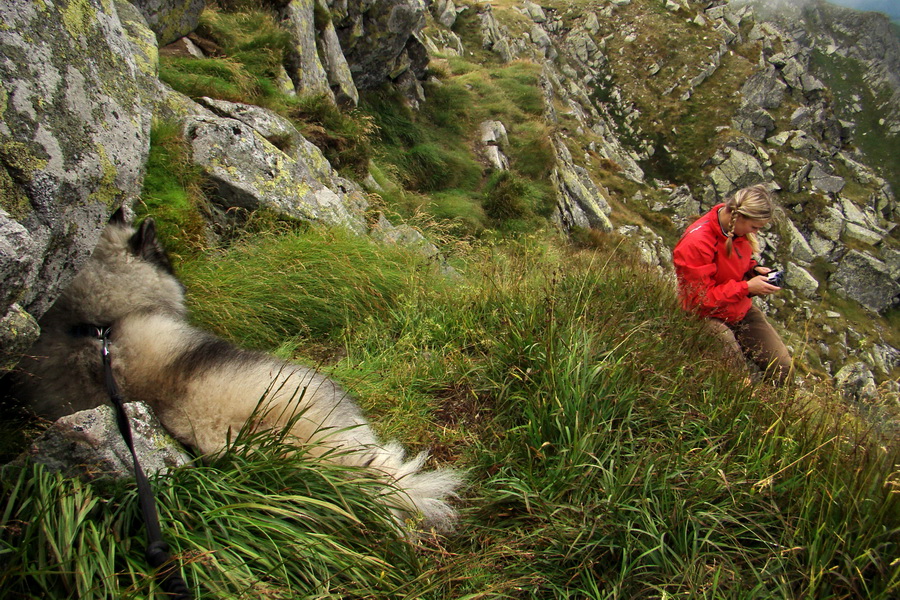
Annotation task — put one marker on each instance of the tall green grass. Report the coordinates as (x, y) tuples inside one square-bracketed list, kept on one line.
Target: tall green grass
[(608, 453), (316, 284), (250, 524)]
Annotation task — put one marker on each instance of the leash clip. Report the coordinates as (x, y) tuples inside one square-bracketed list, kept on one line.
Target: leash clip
[(102, 333)]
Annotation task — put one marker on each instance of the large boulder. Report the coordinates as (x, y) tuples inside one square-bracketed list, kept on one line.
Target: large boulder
[(234, 148), (867, 280), (74, 137), (380, 39)]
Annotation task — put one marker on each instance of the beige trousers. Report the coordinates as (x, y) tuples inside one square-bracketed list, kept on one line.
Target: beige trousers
[(756, 339)]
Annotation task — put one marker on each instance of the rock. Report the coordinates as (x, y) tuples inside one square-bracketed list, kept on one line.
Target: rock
[(865, 279), (797, 243), (885, 359), (18, 331), (821, 180), (856, 382), (829, 223), (444, 12), (580, 203), (801, 281), (89, 444), (891, 258), (852, 231), (539, 37), (494, 141), (305, 67), (737, 171), (72, 146), (170, 19), (534, 12), (651, 247), (249, 172), (335, 63), (754, 121), (403, 235), (378, 38), (764, 89), (685, 206)]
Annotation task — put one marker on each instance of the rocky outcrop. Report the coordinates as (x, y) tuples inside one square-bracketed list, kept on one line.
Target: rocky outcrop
[(248, 171), (74, 136), (379, 40), (580, 202)]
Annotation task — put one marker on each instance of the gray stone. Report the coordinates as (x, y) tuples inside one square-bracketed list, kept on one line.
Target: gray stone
[(18, 331), (534, 12), (821, 246), (88, 443), (764, 89), (891, 258), (539, 37), (380, 40), (493, 143), (444, 12), (335, 63), (857, 383), (885, 359), (249, 172), (737, 171), (867, 280), (822, 180), (580, 202), (72, 144), (305, 67), (797, 243), (402, 235), (754, 121), (801, 281), (852, 231), (830, 223)]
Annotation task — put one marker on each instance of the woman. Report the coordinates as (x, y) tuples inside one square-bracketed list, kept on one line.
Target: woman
[(717, 277)]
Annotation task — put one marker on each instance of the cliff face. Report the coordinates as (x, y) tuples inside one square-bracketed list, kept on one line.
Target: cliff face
[(655, 110)]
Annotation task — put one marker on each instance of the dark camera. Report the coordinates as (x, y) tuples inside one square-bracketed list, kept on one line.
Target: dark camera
[(776, 278)]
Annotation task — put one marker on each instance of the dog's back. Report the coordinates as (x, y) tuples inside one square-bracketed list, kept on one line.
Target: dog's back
[(202, 388)]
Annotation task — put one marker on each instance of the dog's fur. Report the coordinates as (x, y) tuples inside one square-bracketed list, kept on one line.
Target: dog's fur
[(202, 388)]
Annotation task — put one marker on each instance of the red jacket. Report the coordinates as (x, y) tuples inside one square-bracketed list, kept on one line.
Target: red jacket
[(709, 282)]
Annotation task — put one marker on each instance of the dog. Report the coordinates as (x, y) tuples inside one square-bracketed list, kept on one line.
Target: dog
[(203, 389)]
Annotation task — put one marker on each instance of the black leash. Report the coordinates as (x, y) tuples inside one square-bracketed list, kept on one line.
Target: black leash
[(157, 551)]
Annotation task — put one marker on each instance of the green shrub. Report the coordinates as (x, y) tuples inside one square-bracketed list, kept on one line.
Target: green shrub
[(505, 197)]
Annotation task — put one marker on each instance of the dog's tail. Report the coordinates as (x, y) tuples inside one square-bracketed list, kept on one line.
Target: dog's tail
[(416, 494)]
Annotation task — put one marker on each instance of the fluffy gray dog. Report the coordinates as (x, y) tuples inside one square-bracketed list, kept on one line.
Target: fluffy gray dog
[(202, 388)]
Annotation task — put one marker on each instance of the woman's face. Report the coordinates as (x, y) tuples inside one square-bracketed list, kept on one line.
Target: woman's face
[(743, 225)]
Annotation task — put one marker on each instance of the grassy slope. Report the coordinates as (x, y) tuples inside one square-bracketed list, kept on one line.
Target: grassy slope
[(608, 455)]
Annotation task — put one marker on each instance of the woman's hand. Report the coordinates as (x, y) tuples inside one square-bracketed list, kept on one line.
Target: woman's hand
[(760, 286)]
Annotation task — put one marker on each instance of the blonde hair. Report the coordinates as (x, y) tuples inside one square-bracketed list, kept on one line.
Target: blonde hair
[(754, 203)]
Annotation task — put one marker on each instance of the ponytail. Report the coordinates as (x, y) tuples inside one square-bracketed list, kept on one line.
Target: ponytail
[(754, 203)]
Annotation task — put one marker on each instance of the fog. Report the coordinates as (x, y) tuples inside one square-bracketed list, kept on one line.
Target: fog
[(889, 7)]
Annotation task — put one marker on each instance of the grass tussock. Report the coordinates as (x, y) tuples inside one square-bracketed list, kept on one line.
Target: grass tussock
[(608, 453)]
